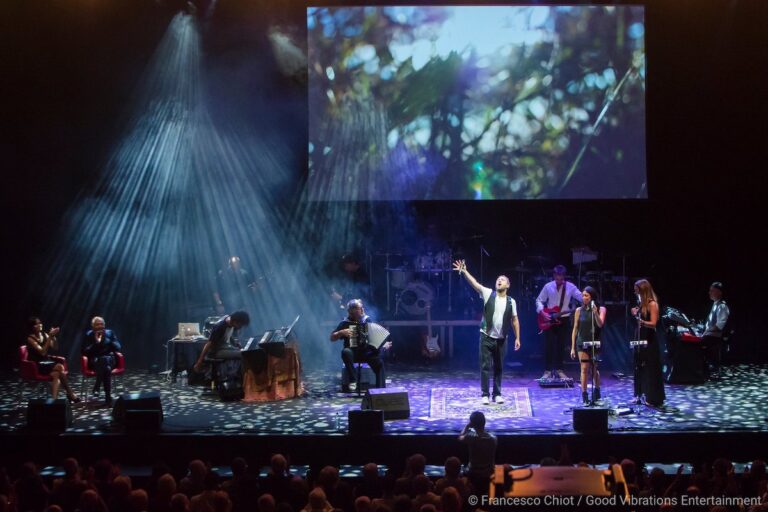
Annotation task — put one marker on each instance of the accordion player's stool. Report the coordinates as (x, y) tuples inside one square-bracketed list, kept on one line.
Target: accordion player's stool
[(364, 376)]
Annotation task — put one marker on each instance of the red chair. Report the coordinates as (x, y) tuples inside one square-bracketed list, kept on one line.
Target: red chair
[(88, 373), (29, 373)]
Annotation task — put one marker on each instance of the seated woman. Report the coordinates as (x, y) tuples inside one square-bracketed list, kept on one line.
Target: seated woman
[(39, 346)]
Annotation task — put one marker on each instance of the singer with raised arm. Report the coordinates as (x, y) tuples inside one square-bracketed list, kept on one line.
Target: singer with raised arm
[(587, 324), (354, 331), (553, 307), (499, 314), (649, 377)]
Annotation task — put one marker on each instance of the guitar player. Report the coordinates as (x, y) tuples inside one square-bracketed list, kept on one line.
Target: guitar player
[(554, 308), (499, 314)]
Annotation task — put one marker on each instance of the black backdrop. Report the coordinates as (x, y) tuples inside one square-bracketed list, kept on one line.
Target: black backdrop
[(70, 67)]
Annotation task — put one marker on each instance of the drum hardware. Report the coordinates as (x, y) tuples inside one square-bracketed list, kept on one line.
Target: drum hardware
[(415, 299)]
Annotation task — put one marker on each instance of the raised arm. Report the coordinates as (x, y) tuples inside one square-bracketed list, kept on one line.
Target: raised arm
[(461, 267)]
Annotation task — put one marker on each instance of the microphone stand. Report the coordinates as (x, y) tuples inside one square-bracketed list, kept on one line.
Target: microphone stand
[(592, 358)]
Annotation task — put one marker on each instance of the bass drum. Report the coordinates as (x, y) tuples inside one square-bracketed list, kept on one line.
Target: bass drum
[(416, 297), (400, 277)]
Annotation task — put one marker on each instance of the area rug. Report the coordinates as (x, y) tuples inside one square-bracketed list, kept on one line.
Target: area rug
[(461, 402)]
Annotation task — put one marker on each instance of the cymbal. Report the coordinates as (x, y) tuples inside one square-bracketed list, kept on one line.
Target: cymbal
[(538, 257)]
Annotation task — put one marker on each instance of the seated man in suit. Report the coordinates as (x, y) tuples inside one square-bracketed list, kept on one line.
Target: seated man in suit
[(100, 346)]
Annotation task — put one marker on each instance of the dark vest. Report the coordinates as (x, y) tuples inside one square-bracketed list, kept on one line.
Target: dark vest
[(488, 311)]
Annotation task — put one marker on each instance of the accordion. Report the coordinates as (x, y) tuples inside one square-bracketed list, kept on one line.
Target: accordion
[(369, 333)]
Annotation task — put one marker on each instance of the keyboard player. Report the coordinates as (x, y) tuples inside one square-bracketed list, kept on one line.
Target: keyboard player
[(713, 328), (356, 349), (220, 344)]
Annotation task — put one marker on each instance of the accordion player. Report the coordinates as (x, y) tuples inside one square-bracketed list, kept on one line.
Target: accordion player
[(363, 341)]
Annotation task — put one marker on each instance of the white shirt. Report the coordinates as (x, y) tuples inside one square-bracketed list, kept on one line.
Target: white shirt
[(718, 315), (550, 296), (498, 312)]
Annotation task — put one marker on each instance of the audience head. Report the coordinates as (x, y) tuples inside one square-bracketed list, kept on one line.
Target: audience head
[(221, 502), (71, 468), (317, 499), (416, 464), (477, 421), (138, 501), (266, 503), (239, 466), (450, 500), (363, 504), (452, 467), (166, 485), (371, 471), (629, 468), (279, 464), (179, 502), (121, 486), (197, 470), (548, 461), (328, 477)]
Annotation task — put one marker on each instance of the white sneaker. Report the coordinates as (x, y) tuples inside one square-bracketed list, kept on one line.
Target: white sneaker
[(498, 399), (353, 386), (486, 400), (561, 374)]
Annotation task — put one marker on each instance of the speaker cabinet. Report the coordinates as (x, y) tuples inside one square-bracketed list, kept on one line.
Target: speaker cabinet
[(365, 423), (392, 401), (141, 410), (49, 414), (590, 420)]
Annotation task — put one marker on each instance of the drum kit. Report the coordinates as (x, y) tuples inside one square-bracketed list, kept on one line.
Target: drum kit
[(415, 281)]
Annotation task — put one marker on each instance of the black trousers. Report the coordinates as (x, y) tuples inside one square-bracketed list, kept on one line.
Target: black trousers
[(367, 355), (102, 367), (713, 347), (492, 351), (555, 340)]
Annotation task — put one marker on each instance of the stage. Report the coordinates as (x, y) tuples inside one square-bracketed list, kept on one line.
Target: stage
[(534, 421)]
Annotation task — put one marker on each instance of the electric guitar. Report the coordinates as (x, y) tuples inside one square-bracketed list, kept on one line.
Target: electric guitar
[(429, 346), (550, 317)]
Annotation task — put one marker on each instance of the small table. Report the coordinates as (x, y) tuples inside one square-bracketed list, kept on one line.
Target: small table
[(181, 355)]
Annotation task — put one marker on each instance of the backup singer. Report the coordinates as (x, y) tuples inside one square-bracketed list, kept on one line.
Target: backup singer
[(351, 330), (40, 345), (587, 324), (713, 328), (100, 346), (557, 296), (649, 378), (499, 313)]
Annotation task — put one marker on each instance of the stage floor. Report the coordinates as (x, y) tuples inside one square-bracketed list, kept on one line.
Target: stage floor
[(736, 403)]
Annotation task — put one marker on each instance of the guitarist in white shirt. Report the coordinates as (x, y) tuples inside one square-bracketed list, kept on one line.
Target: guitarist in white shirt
[(499, 314), (554, 307)]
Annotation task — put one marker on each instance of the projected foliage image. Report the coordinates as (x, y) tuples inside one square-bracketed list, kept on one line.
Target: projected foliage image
[(469, 102)]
